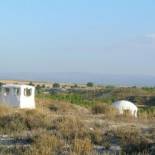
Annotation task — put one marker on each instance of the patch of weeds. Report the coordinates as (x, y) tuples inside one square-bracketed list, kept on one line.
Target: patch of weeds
[(82, 146), (24, 120), (12, 123), (69, 127)]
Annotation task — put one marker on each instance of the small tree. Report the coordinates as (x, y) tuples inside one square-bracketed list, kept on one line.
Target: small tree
[(90, 84), (38, 87), (74, 86), (1, 84), (31, 84), (56, 85), (43, 86)]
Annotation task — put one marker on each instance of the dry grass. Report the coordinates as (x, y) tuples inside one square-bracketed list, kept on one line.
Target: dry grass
[(108, 111), (4, 110), (45, 144), (17, 121), (59, 107), (127, 135), (59, 128), (98, 137), (131, 139), (69, 128), (102, 108), (82, 146), (147, 116)]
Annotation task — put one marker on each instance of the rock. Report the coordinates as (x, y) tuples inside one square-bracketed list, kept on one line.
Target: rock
[(99, 149), (152, 149), (115, 148)]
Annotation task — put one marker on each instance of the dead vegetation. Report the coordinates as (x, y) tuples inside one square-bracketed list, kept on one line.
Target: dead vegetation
[(62, 128)]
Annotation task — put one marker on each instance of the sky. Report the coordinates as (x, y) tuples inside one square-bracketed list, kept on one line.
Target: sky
[(95, 36)]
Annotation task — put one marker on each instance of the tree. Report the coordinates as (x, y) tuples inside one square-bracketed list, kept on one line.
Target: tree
[(56, 85), (31, 84), (1, 84), (90, 84), (38, 87), (74, 86), (43, 86)]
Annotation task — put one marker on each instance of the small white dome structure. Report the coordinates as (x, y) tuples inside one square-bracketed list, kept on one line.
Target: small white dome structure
[(123, 105), (20, 96)]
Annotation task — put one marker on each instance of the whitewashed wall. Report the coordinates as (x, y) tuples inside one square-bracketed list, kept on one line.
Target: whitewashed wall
[(20, 100)]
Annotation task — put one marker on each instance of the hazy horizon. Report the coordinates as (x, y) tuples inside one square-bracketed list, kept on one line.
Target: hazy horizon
[(97, 78)]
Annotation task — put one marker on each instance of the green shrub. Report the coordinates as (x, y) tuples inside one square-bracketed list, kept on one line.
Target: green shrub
[(90, 84), (56, 85), (147, 113)]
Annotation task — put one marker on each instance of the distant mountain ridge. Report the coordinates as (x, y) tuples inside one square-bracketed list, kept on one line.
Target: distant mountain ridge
[(70, 77)]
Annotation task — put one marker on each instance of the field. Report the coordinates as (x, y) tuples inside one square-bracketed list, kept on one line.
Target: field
[(80, 121)]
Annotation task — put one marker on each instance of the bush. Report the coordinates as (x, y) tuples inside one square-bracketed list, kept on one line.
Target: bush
[(31, 83), (90, 84), (60, 107), (103, 109), (97, 137), (56, 85), (147, 113), (54, 107)]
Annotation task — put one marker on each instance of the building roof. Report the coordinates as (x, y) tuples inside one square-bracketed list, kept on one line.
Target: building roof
[(17, 86)]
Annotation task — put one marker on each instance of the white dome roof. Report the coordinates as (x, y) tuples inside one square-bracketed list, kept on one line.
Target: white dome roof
[(124, 103)]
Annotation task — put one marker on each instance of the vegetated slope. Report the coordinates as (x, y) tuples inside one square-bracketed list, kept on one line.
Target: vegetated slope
[(59, 127), (109, 94)]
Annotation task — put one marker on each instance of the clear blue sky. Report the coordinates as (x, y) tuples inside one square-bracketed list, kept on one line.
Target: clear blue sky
[(98, 36)]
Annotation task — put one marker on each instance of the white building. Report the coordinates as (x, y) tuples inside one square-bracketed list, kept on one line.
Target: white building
[(20, 96), (123, 106)]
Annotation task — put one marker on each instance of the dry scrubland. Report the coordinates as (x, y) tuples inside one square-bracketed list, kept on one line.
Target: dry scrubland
[(57, 127)]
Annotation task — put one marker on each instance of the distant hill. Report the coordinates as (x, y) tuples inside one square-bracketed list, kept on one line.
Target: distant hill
[(107, 79)]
